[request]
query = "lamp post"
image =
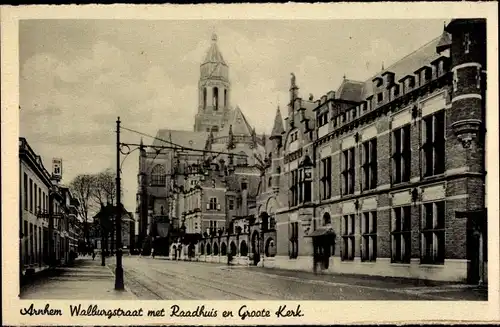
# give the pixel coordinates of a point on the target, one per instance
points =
(119, 269)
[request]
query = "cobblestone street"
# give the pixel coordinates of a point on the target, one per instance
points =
(154, 279)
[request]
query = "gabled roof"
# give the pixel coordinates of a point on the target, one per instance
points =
(213, 54)
(350, 90)
(238, 123)
(189, 139)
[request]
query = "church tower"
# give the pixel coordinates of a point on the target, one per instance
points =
(213, 89)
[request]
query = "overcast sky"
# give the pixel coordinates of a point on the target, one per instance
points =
(77, 76)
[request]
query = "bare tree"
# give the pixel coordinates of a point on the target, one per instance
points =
(104, 187)
(104, 193)
(82, 187)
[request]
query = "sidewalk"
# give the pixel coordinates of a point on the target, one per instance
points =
(85, 280)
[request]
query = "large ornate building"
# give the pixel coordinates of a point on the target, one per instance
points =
(387, 176)
(380, 177)
(186, 187)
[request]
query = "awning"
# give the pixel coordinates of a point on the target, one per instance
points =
(322, 231)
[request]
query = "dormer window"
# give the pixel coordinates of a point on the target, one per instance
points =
(380, 97)
(323, 119)
(378, 81)
(428, 74)
(395, 91)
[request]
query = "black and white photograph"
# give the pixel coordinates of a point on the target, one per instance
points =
(253, 160)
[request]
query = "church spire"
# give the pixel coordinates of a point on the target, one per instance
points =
(278, 128)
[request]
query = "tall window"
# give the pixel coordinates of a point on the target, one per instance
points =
(433, 234)
(401, 154)
(323, 119)
(307, 186)
(326, 178)
(401, 234)
(327, 219)
(348, 237)
(433, 143)
(293, 232)
(31, 195)
(369, 164)
(299, 184)
(25, 191)
(369, 236)
(348, 171)
(231, 204)
(215, 99)
(212, 204)
(295, 187)
(35, 200)
(40, 198)
(225, 97)
(204, 98)
(158, 176)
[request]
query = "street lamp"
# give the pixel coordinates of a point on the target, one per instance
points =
(119, 285)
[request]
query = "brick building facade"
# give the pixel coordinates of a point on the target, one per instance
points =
(387, 176)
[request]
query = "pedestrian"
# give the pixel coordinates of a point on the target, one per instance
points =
(93, 254)
(153, 253)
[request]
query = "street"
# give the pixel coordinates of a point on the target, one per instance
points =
(161, 279)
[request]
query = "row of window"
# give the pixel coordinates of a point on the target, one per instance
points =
(432, 233)
(394, 91)
(35, 199)
(433, 158)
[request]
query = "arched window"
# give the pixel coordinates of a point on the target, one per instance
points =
(215, 99)
(233, 249)
(209, 249)
(241, 159)
(158, 176)
(243, 249)
(326, 219)
(216, 249)
(204, 98)
(278, 170)
(270, 181)
(270, 248)
(223, 249)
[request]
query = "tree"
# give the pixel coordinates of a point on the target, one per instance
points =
(104, 187)
(82, 187)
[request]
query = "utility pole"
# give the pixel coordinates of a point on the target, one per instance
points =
(119, 285)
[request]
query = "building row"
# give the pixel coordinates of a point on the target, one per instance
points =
(49, 224)
(380, 177)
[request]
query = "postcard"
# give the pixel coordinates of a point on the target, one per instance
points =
(250, 164)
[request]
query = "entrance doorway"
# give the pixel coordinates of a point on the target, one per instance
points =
(476, 243)
(255, 248)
